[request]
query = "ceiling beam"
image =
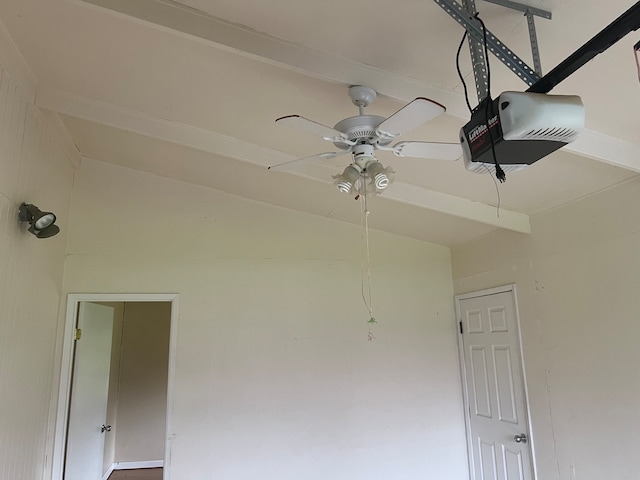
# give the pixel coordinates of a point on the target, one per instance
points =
(190, 23)
(196, 25)
(218, 144)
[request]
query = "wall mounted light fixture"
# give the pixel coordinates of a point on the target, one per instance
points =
(42, 223)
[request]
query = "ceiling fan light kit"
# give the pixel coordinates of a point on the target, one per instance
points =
(365, 167)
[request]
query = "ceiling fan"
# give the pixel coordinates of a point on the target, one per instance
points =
(363, 134)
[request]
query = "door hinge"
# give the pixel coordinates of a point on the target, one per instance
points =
(77, 334)
(461, 327)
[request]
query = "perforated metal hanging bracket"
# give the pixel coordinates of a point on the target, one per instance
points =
(478, 60)
(530, 13)
(522, 8)
(533, 38)
(494, 45)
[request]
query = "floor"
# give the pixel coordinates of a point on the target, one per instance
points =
(141, 474)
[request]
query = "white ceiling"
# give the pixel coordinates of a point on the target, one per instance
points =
(192, 93)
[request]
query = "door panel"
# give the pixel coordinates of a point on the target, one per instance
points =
(513, 465)
(494, 386)
(480, 381)
(505, 394)
(487, 459)
(89, 393)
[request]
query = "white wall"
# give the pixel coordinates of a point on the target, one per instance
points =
(137, 404)
(274, 375)
(34, 168)
(144, 370)
(578, 280)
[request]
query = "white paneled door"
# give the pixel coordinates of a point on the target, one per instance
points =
(89, 393)
(497, 422)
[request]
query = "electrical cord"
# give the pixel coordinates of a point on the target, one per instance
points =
(464, 84)
(497, 189)
(500, 175)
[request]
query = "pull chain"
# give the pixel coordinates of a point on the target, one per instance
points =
(366, 262)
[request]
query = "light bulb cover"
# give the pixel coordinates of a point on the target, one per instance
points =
(348, 179)
(380, 176)
(44, 220)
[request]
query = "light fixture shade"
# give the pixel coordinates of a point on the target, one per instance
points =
(349, 178)
(46, 232)
(380, 176)
(41, 223)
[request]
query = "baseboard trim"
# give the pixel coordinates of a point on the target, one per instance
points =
(132, 466)
(136, 465)
(108, 472)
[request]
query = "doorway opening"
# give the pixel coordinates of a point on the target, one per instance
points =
(115, 386)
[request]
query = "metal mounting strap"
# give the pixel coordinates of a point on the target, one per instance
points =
(533, 38)
(529, 12)
(522, 8)
(478, 60)
(494, 45)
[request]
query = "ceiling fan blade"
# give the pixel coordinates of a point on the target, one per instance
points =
(435, 150)
(412, 115)
(309, 126)
(302, 161)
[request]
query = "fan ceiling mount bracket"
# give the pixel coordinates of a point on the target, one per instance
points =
(362, 96)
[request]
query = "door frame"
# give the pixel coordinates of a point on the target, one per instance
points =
(511, 288)
(66, 370)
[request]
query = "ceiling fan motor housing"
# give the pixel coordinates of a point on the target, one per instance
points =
(359, 128)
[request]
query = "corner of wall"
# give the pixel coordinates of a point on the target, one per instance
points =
(12, 59)
(29, 146)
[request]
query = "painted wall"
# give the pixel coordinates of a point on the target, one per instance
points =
(137, 405)
(274, 376)
(34, 168)
(578, 279)
(144, 370)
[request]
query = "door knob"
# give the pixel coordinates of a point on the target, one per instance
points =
(522, 438)
(105, 428)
